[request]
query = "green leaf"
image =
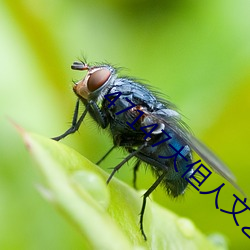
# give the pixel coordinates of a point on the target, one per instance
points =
(106, 215)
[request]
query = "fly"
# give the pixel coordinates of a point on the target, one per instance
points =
(148, 127)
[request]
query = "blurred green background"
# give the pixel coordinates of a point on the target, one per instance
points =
(195, 52)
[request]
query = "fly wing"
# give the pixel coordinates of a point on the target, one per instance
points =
(179, 128)
(211, 159)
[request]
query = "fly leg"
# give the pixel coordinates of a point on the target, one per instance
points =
(75, 124)
(135, 169)
(99, 116)
(105, 155)
(145, 196)
(91, 107)
(125, 160)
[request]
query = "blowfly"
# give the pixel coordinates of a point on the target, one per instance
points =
(148, 127)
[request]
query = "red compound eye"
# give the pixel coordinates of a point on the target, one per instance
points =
(97, 79)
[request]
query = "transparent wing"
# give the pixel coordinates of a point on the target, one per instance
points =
(179, 128)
